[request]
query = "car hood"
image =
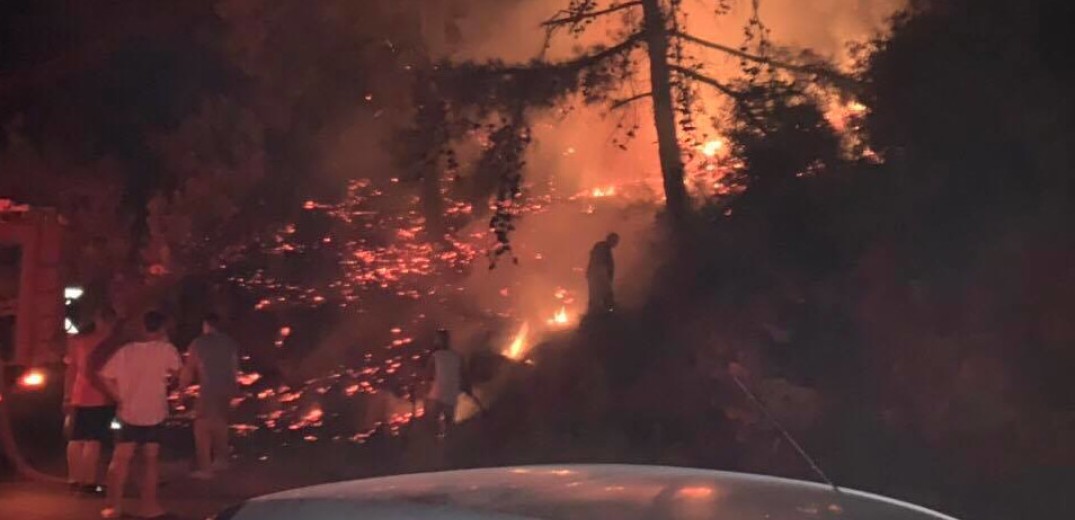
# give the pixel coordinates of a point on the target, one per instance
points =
(570, 492)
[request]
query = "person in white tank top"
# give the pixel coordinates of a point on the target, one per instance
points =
(445, 367)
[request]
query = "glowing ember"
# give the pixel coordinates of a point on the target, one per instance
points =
(243, 430)
(249, 378)
(518, 346)
(33, 379)
(312, 418)
(712, 148)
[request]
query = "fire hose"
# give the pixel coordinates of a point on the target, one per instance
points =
(784, 432)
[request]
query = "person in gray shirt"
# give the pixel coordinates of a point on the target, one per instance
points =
(212, 362)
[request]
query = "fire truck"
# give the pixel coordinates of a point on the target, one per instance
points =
(32, 317)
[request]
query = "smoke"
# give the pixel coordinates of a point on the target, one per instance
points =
(511, 30)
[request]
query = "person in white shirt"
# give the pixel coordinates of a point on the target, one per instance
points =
(137, 376)
(445, 367)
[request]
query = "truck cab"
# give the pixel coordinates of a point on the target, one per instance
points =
(31, 289)
(32, 336)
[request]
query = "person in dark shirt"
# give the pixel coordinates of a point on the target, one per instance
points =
(599, 275)
(213, 362)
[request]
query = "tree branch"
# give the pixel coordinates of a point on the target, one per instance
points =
(620, 103)
(697, 76)
(736, 96)
(583, 62)
(576, 18)
(819, 70)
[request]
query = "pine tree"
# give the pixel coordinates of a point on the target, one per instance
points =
(653, 36)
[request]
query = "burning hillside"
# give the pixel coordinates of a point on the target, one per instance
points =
(380, 243)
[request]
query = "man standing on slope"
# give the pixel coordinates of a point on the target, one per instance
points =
(599, 275)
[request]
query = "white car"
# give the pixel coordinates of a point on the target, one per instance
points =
(572, 492)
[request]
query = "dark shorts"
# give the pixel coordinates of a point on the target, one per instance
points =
(92, 423)
(139, 434)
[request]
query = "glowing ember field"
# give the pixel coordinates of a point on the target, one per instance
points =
(375, 251)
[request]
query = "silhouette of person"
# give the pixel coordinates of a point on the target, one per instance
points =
(599, 275)
(445, 368)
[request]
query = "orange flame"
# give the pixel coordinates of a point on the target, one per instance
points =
(560, 318)
(519, 345)
(713, 147)
(603, 192)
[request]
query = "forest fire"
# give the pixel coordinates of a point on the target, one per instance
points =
(787, 181)
(519, 345)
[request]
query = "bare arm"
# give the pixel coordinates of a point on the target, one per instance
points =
(189, 373)
(108, 375)
(69, 373)
(112, 387)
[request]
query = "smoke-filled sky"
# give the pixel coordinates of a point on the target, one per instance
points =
(511, 31)
(579, 146)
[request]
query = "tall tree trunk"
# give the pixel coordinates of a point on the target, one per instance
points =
(433, 199)
(431, 118)
(663, 111)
